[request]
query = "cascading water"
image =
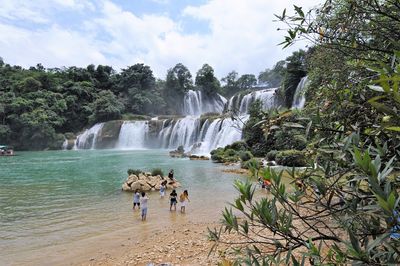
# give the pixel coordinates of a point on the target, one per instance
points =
(192, 132)
(196, 103)
(133, 135)
(242, 104)
(65, 145)
(87, 140)
(299, 98)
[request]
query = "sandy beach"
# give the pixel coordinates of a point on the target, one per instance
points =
(184, 244)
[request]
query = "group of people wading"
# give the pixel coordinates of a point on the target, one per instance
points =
(140, 199)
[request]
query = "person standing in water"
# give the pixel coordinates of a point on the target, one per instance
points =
(163, 187)
(143, 203)
(172, 197)
(184, 199)
(171, 175)
(136, 200)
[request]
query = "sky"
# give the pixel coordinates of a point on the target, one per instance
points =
(238, 35)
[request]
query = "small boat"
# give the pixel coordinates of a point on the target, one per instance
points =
(6, 150)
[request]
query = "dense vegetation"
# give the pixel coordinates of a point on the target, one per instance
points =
(344, 209)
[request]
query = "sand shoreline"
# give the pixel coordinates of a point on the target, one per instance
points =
(182, 244)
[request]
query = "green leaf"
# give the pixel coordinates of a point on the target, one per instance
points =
(299, 11)
(393, 128)
(354, 242)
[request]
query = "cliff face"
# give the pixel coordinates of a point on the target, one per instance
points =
(108, 136)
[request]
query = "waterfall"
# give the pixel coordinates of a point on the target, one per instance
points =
(242, 104)
(299, 98)
(87, 140)
(133, 135)
(192, 103)
(220, 133)
(194, 133)
(182, 132)
(65, 145)
(195, 103)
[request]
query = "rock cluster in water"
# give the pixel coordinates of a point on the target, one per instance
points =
(147, 182)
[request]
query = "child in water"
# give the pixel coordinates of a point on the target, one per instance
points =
(172, 197)
(136, 200)
(184, 199)
(162, 189)
(143, 203)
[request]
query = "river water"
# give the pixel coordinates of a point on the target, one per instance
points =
(53, 199)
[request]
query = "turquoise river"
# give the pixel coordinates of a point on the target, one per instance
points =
(57, 203)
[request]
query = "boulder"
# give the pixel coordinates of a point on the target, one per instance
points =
(147, 183)
(136, 186)
(145, 187)
(126, 187)
(131, 179)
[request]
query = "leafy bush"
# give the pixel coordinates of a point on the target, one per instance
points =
(245, 155)
(271, 155)
(157, 171)
(230, 152)
(217, 150)
(218, 157)
(251, 164)
(238, 146)
(134, 171)
(292, 158)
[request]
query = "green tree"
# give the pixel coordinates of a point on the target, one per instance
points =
(106, 107)
(246, 81)
(230, 86)
(273, 77)
(135, 85)
(206, 81)
(177, 83)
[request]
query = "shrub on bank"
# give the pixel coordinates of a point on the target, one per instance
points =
(157, 171)
(238, 146)
(245, 156)
(253, 163)
(293, 158)
(134, 171)
(271, 155)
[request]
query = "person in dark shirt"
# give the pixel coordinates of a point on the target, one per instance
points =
(173, 200)
(171, 175)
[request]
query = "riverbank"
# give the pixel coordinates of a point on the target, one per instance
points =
(181, 244)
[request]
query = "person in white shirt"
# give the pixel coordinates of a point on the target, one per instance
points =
(143, 205)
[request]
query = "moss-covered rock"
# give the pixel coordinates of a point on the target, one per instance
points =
(292, 158)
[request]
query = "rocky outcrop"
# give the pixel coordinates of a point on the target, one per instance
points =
(197, 157)
(108, 136)
(147, 182)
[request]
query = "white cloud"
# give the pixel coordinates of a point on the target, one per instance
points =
(53, 47)
(39, 11)
(241, 37)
